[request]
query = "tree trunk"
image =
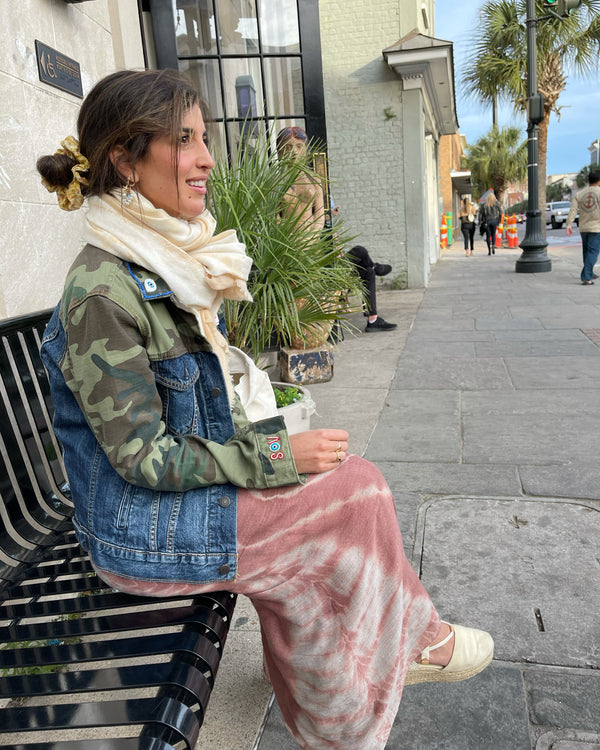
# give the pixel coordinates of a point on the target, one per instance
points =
(542, 155)
(551, 84)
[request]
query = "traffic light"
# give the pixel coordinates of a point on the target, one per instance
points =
(562, 7)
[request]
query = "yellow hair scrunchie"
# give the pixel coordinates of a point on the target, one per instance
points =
(70, 197)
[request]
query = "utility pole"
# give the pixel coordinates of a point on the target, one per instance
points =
(534, 258)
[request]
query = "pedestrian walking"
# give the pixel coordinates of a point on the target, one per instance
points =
(587, 203)
(491, 214)
(468, 216)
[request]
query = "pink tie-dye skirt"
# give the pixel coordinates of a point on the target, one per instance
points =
(342, 612)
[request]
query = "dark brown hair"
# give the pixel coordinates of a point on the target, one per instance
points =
(127, 109)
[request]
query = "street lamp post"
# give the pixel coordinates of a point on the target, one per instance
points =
(534, 258)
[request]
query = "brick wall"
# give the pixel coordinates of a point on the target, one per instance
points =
(364, 100)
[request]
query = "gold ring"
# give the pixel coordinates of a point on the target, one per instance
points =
(339, 456)
(339, 446)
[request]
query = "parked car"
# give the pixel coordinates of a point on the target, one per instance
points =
(557, 212)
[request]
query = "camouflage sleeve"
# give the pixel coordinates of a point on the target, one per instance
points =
(108, 370)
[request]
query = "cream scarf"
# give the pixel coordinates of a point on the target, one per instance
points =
(201, 269)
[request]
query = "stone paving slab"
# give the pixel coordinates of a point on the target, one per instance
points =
(564, 700)
(522, 569)
(435, 323)
(432, 372)
(423, 416)
(507, 324)
(568, 739)
(456, 349)
(553, 371)
(450, 478)
(447, 336)
(542, 335)
(554, 345)
(529, 427)
(485, 712)
(553, 319)
(576, 481)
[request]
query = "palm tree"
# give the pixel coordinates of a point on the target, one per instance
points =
(498, 62)
(497, 159)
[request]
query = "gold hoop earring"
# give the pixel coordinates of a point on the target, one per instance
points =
(127, 191)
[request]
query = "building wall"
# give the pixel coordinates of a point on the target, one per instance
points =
(39, 241)
(364, 107)
(452, 149)
(365, 119)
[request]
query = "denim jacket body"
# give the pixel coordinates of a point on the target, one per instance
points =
(161, 535)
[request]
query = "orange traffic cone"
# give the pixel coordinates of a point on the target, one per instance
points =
(499, 230)
(444, 233)
(514, 238)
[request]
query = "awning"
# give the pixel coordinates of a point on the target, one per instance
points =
(418, 56)
(461, 181)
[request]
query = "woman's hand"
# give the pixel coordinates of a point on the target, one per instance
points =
(317, 451)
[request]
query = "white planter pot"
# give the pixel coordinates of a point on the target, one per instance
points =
(297, 415)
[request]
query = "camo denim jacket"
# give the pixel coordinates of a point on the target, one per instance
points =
(153, 450)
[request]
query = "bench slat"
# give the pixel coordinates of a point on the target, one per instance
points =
(53, 606)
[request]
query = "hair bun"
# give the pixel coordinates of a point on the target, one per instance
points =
(64, 171)
(56, 169)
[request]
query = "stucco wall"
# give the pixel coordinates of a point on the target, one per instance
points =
(364, 101)
(38, 240)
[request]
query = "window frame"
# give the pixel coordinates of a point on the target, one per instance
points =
(313, 117)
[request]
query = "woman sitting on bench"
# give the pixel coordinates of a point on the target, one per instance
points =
(175, 490)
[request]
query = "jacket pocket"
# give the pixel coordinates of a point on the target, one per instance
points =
(175, 380)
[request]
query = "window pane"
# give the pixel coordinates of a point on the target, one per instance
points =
(195, 27)
(276, 126)
(279, 26)
(216, 140)
(245, 137)
(283, 80)
(237, 26)
(204, 74)
(243, 88)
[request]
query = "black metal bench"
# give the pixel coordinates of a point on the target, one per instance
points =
(82, 666)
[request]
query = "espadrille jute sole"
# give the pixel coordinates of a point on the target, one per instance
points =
(473, 651)
(431, 673)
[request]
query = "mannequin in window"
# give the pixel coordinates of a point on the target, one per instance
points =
(305, 197)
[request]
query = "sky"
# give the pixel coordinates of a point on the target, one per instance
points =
(568, 138)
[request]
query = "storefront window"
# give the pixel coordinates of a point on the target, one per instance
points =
(195, 27)
(246, 57)
(206, 75)
(238, 27)
(279, 26)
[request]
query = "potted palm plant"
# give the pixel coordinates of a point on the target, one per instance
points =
(300, 284)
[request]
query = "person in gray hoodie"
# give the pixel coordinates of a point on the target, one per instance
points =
(587, 203)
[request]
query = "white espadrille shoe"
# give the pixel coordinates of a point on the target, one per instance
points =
(473, 651)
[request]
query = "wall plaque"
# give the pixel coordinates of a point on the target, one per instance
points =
(58, 70)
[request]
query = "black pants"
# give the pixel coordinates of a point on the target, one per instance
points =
(490, 234)
(468, 233)
(365, 269)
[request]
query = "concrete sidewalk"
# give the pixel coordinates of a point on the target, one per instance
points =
(480, 411)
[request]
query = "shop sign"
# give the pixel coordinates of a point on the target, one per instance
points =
(58, 70)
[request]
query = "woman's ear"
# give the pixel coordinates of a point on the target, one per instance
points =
(120, 160)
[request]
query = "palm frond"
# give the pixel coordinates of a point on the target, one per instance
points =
(296, 278)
